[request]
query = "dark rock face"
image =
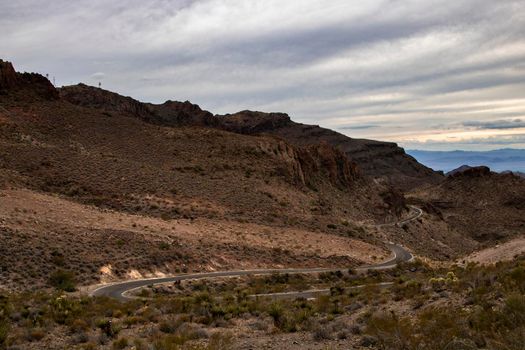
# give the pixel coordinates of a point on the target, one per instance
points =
(395, 201)
(249, 122)
(310, 166)
(330, 162)
(36, 84)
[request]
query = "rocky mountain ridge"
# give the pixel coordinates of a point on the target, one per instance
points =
(383, 161)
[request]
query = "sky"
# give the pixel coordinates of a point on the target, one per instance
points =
(432, 75)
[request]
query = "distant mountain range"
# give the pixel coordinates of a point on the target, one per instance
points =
(497, 160)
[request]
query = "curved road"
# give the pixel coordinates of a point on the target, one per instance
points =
(119, 290)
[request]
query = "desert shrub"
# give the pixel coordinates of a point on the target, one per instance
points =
(285, 318)
(220, 341)
(35, 334)
(121, 343)
(391, 331)
(517, 279)
(407, 290)
(175, 341)
(107, 327)
(435, 328)
(321, 332)
(63, 280)
(4, 330)
(63, 310)
(513, 312)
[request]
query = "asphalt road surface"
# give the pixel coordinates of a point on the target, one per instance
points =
(120, 290)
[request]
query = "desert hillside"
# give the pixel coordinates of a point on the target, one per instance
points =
(379, 160)
(146, 183)
(486, 206)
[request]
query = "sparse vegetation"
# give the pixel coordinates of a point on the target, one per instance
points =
(409, 314)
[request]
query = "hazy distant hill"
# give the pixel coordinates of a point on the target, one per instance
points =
(498, 160)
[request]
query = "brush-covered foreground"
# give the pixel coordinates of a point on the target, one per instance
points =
(458, 307)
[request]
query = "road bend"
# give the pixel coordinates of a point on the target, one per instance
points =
(120, 290)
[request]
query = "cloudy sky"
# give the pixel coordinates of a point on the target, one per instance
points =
(426, 74)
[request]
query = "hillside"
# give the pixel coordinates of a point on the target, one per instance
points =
(106, 194)
(485, 206)
(378, 160)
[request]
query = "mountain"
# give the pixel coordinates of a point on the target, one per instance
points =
(498, 160)
(379, 160)
(106, 186)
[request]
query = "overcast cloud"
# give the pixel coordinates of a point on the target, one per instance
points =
(426, 74)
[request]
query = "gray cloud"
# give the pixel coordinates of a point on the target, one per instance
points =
(497, 124)
(401, 66)
(358, 127)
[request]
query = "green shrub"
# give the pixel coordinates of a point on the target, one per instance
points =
(121, 343)
(63, 280)
(4, 330)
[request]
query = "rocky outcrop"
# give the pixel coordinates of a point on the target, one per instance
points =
(309, 166)
(395, 201)
(33, 84)
(182, 113)
(249, 122)
(331, 163)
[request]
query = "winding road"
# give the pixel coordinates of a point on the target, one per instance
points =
(120, 290)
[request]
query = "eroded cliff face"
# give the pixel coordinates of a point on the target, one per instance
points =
(308, 166)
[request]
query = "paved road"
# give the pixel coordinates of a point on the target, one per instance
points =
(120, 290)
(417, 213)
